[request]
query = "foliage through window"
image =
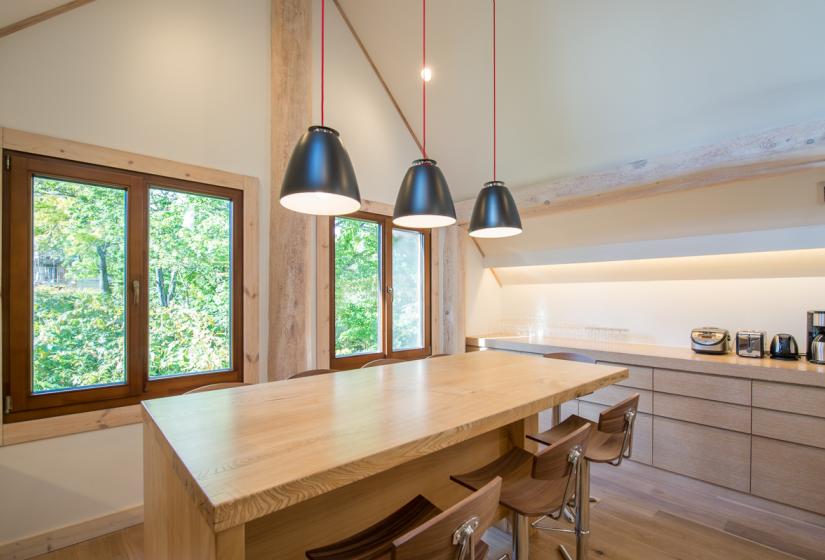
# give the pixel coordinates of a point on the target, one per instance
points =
(380, 290)
(119, 286)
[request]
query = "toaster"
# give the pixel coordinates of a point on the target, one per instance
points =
(751, 344)
(710, 340)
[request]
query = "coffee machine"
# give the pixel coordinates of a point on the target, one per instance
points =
(816, 337)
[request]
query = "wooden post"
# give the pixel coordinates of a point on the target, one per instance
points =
(451, 306)
(291, 267)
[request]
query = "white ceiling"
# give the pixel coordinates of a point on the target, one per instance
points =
(589, 84)
(12, 11)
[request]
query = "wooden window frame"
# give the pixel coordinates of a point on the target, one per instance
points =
(387, 227)
(17, 289)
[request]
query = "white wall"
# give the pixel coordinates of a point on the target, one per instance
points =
(62, 481)
(663, 312)
(482, 293)
(659, 300)
(186, 80)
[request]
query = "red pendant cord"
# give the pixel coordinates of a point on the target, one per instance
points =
(423, 81)
(494, 90)
(323, 17)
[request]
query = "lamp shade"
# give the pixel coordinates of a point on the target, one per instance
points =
(424, 199)
(319, 178)
(495, 213)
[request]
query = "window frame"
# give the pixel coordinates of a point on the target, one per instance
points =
(18, 291)
(386, 227)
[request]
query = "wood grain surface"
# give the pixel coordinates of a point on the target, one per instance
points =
(246, 452)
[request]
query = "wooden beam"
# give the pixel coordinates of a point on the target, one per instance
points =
(378, 74)
(291, 264)
(42, 16)
(773, 152)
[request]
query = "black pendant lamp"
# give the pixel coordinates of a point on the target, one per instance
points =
(319, 177)
(495, 213)
(424, 199)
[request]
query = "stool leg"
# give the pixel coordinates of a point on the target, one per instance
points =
(556, 415)
(583, 513)
(521, 537)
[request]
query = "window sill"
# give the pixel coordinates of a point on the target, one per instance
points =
(45, 428)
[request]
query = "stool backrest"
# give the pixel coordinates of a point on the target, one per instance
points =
(553, 462)
(619, 417)
(383, 362)
(311, 372)
(215, 387)
(458, 528)
(571, 357)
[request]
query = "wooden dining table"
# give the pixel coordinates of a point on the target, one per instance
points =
(273, 469)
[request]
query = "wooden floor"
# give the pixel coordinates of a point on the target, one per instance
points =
(645, 513)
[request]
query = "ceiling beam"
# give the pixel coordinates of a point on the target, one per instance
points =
(42, 16)
(773, 152)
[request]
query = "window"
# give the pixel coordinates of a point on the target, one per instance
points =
(120, 286)
(380, 296)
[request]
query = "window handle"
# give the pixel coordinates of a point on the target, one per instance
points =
(136, 291)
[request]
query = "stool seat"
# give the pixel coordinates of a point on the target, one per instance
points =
(603, 447)
(520, 492)
(376, 542)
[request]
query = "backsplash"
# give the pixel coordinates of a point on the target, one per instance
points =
(652, 312)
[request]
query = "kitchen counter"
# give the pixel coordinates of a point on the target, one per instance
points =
(278, 468)
(800, 372)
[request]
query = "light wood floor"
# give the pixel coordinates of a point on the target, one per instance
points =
(645, 513)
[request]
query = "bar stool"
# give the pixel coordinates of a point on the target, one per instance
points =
(540, 485)
(311, 373)
(610, 442)
(383, 362)
(215, 387)
(421, 531)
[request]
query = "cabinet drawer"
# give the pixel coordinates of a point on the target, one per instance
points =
(710, 454)
(807, 430)
(710, 413)
(790, 398)
(615, 394)
(546, 416)
(789, 473)
(712, 387)
(640, 377)
(642, 431)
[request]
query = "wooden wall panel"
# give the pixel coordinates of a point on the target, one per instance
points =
(452, 241)
(291, 266)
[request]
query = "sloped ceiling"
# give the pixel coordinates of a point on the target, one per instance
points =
(589, 84)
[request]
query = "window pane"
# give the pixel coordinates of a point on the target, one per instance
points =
(190, 283)
(78, 276)
(357, 287)
(407, 290)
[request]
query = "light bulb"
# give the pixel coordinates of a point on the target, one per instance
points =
(426, 74)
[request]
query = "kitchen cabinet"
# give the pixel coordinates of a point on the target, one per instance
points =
(640, 377)
(789, 398)
(711, 387)
(700, 411)
(789, 473)
(806, 430)
(710, 454)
